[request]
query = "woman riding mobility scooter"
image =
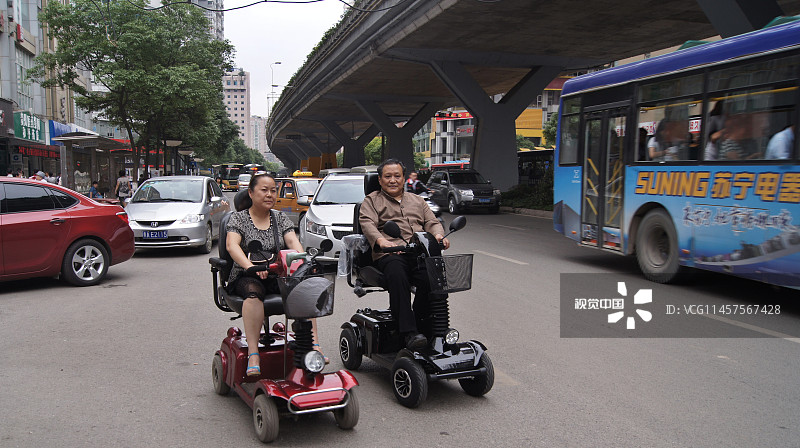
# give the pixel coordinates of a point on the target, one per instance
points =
(291, 380)
(374, 333)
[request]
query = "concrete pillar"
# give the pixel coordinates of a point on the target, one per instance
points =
(401, 143)
(734, 17)
(353, 148)
(495, 151)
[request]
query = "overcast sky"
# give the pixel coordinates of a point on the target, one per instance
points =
(270, 32)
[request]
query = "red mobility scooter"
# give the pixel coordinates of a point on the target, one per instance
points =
(291, 380)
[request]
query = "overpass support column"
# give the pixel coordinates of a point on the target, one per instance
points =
(401, 142)
(495, 151)
(734, 17)
(353, 148)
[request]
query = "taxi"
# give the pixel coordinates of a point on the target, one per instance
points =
(290, 189)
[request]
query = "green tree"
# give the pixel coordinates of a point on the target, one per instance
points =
(523, 142)
(160, 69)
(549, 131)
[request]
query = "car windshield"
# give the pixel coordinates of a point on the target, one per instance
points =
(306, 187)
(467, 178)
(170, 191)
(340, 191)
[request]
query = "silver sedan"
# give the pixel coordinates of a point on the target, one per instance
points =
(177, 211)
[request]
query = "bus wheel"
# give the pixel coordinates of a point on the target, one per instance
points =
(657, 247)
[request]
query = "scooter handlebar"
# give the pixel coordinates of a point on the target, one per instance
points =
(256, 268)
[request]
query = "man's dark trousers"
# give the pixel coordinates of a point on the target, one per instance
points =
(401, 273)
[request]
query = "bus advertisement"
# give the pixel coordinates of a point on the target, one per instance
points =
(688, 159)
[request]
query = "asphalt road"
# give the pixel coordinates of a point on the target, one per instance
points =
(128, 362)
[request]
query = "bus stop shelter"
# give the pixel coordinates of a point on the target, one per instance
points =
(88, 157)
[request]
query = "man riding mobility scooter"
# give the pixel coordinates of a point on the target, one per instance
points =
(291, 382)
(374, 333)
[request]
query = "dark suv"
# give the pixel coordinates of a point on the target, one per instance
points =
(463, 190)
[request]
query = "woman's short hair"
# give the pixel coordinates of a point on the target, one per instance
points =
(254, 180)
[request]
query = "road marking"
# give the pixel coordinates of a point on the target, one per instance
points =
(505, 379)
(501, 257)
(509, 227)
(776, 334)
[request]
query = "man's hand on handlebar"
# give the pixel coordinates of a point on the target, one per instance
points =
(388, 246)
(443, 241)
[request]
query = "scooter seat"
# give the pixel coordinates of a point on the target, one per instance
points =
(273, 304)
(371, 276)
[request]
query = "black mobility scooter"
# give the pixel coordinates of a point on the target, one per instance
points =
(291, 380)
(374, 333)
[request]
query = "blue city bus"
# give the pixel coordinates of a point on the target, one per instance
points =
(688, 159)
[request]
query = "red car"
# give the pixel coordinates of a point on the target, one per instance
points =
(47, 230)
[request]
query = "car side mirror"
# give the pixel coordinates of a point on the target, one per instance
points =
(305, 200)
(443, 182)
(216, 199)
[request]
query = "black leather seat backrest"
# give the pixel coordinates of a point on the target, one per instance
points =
(241, 201)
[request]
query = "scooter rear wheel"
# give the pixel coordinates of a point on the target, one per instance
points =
(409, 383)
(479, 385)
(347, 417)
(265, 418)
(218, 376)
(348, 349)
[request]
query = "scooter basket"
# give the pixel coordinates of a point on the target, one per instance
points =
(449, 273)
(308, 296)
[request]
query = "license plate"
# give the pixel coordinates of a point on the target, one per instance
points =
(154, 234)
(484, 201)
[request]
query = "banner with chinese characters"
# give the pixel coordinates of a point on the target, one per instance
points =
(28, 127)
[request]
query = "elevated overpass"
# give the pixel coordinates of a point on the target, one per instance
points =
(410, 58)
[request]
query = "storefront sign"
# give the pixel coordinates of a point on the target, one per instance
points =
(38, 152)
(28, 127)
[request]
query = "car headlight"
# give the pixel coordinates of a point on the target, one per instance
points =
(465, 192)
(314, 361)
(452, 336)
(496, 192)
(192, 219)
(315, 228)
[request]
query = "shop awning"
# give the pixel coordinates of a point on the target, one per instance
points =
(87, 140)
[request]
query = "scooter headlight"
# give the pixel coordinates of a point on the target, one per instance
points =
(452, 336)
(314, 361)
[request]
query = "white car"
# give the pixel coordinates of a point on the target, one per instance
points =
(244, 181)
(330, 214)
(176, 211)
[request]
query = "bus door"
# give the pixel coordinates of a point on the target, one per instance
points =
(603, 182)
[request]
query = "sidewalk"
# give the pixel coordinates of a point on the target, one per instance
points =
(528, 212)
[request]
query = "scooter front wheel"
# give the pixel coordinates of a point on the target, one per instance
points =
(479, 385)
(347, 417)
(265, 418)
(409, 382)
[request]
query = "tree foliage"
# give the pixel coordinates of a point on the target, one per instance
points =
(549, 131)
(160, 71)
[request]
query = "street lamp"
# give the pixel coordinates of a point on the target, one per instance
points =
(272, 82)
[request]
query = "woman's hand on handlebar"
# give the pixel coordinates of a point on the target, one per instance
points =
(444, 242)
(258, 270)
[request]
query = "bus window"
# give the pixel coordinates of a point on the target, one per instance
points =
(569, 140)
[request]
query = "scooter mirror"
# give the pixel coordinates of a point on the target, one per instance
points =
(392, 229)
(458, 223)
(326, 245)
(254, 246)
